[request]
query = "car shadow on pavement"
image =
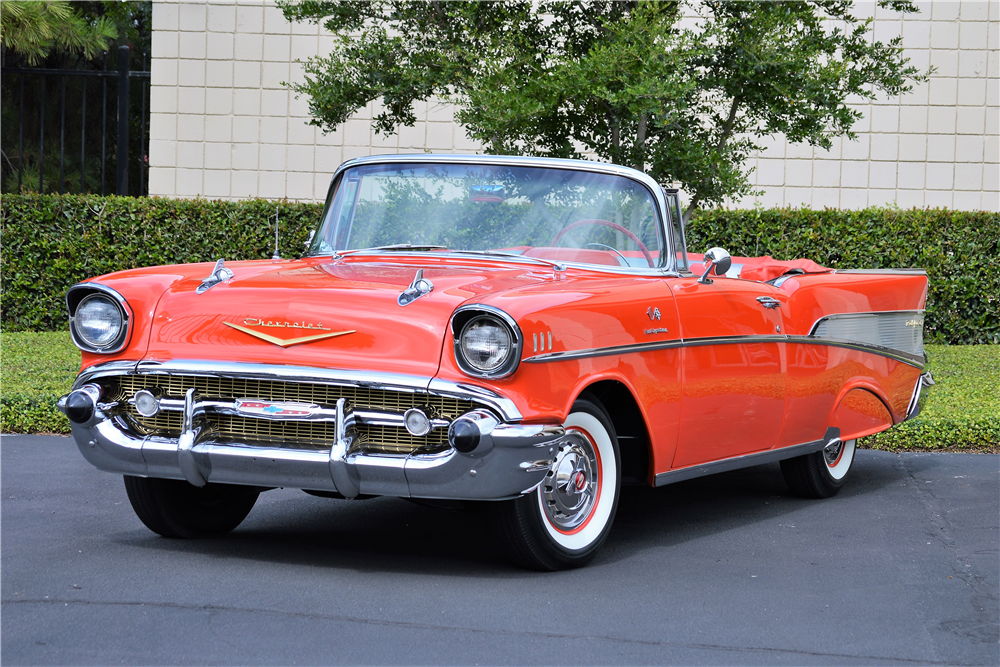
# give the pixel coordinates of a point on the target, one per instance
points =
(395, 535)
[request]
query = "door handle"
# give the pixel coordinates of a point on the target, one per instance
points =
(768, 302)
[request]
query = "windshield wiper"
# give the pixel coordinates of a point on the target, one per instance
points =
(391, 248)
(558, 266)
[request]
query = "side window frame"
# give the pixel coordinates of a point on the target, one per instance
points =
(675, 219)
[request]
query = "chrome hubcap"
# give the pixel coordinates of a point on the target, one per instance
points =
(570, 488)
(832, 452)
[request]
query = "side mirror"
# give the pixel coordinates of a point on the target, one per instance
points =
(717, 261)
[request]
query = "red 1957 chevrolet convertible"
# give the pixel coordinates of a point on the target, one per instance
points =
(529, 332)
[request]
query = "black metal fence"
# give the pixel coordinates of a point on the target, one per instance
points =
(38, 86)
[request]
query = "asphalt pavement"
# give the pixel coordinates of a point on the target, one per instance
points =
(901, 568)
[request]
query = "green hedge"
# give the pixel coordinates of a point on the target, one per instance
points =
(51, 242)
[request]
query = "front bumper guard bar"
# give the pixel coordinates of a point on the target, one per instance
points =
(509, 461)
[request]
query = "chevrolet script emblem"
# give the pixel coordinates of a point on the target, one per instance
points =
(285, 342)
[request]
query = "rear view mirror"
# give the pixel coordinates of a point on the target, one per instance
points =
(492, 194)
(716, 261)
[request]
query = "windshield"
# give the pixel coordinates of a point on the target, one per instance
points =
(549, 214)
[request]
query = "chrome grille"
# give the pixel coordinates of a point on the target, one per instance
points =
(297, 434)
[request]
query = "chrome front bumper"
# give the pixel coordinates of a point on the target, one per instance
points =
(510, 461)
(502, 460)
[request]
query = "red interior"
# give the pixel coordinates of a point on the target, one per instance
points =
(762, 268)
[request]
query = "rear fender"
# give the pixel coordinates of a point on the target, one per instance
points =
(860, 412)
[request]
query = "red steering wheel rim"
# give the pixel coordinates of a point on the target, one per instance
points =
(613, 225)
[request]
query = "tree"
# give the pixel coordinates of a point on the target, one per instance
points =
(34, 29)
(685, 91)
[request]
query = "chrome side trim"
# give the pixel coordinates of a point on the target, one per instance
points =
(898, 355)
(748, 460)
(603, 351)
(916, 360)
(374, 380)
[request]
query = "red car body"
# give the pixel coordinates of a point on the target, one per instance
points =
(774, 361)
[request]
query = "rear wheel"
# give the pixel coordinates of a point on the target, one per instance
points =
(562, 523)
(820, 474)
(175, 508)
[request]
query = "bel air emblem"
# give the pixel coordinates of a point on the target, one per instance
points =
(272, 409)
(285, 342)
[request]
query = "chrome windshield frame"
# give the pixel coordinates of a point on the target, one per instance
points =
(669, 268)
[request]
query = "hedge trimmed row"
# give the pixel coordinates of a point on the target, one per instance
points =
(52, 241)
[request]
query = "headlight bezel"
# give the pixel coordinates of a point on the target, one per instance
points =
(466, 316)
(80, 293)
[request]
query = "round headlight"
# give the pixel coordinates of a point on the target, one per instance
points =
(98, 321)
(486, 344)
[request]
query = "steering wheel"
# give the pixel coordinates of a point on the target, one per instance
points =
(613, 225)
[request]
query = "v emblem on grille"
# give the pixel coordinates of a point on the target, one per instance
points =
(288, 342)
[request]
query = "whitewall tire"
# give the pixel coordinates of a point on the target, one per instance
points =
(820, 474)
(565, 520)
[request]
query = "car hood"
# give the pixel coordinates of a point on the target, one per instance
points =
(324, 313)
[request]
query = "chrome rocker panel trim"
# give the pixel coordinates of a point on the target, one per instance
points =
(301, 374)
(503, 466)
(748, 460)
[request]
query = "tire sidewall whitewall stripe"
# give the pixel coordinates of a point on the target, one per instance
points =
(591, 532)
(839, 470)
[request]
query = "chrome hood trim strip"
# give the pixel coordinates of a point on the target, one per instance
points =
(302, 374)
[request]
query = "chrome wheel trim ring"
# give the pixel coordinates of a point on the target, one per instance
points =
(569, 491)
(842, 463)
(594, 526)
(831, 453)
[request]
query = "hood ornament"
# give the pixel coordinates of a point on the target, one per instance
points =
(418, 288)
(219, 274)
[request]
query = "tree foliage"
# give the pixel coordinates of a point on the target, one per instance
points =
(33, 29)
(686, 91)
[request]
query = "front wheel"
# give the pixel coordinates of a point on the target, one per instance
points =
(822, 473)
(561, 524)
(174, 508)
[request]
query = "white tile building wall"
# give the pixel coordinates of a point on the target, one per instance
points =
(223, 126)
